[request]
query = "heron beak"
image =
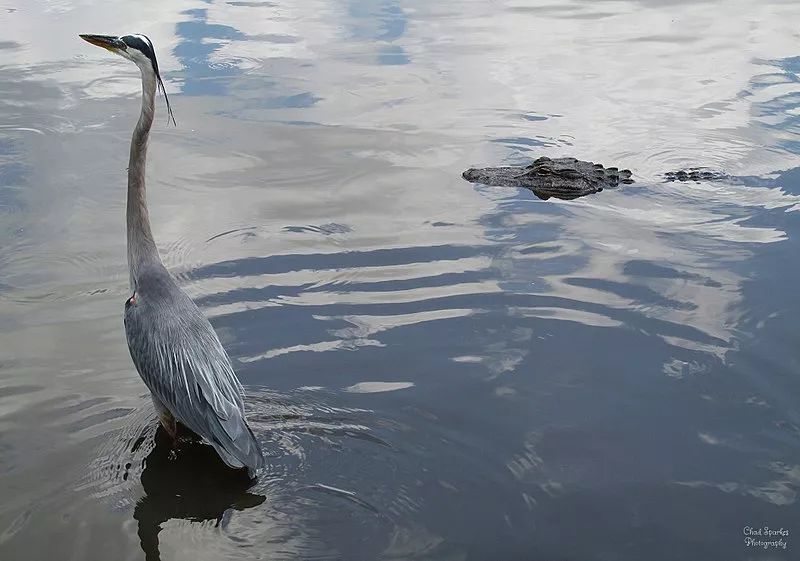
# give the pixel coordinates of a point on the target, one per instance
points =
(113, 44)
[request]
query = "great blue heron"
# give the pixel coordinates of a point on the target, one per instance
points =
(172, 344)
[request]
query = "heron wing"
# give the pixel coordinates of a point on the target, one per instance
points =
(183, 363)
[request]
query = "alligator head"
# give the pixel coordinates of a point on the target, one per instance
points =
(563, 178)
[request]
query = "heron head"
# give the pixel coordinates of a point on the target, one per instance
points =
(136, 48)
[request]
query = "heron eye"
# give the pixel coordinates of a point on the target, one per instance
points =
(130, 301)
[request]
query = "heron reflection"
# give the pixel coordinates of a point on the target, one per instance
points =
(192, 484)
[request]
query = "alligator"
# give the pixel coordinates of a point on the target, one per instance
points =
(570, 178)
(563, 178)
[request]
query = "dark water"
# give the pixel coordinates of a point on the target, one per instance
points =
(437, 370)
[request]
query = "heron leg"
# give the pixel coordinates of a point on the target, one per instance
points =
(167, 420)
(170, 425)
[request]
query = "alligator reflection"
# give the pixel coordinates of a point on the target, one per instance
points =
(563, 178)
(194, 485)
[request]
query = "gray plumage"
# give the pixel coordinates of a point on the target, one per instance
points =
(182, 361)
(172, 344)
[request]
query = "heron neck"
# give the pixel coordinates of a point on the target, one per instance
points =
(141, 246)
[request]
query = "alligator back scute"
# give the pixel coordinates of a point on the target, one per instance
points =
(696, 175)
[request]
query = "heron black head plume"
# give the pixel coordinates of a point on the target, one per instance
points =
(143, 44)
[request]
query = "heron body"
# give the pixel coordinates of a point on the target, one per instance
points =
(172, 344)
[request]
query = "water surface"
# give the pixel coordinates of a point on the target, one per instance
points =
(436, 370)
